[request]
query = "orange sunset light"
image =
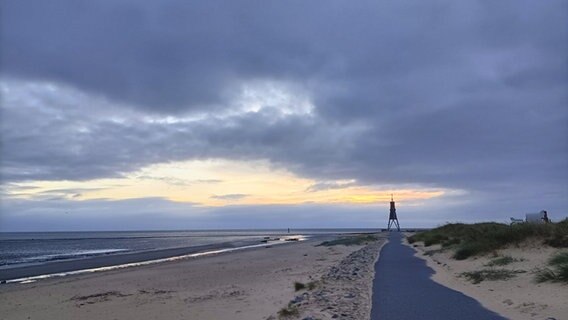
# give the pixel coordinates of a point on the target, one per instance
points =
(222, 183)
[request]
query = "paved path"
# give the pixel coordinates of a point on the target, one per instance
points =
(402, 289)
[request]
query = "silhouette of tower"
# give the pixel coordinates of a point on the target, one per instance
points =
(393, 220)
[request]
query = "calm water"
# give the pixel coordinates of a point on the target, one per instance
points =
(31, 248)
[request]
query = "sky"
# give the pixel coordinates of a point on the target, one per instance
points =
(173, 114)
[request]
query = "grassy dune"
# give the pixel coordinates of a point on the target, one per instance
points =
(476, 239)
(467, 240)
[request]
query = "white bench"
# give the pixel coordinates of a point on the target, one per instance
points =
(516, 221)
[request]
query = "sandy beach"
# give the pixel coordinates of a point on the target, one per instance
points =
(517, 298)
(252, 284)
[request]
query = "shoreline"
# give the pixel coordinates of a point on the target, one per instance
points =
(248, 284)
(131, 259)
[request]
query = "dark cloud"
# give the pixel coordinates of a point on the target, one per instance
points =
(468, 96)
(325, 185)
(71, 190)
(166, 57)
(178, 55)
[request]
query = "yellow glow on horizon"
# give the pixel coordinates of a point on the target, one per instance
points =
(220, 183)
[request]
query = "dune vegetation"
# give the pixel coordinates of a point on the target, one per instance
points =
(469, 240)
(353, 240)
(557, 271)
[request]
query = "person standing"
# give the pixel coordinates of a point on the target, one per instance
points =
(545, 216)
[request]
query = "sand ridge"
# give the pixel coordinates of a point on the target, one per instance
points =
(344, 291)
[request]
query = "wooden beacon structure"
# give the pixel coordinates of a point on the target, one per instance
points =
(393, 220)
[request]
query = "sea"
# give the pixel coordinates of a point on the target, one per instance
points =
(23, 249)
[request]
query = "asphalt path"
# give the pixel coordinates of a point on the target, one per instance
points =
(402, 289)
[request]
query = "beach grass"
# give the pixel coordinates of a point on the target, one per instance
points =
(312, 285)
(490, 274)
(559, 259)
(288, 312)
(558, 271)
(501, 261)
(475, 239)
(301, 286)
(362, 239)
(432, 252)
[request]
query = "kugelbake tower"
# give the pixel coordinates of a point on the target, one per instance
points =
(393, 220)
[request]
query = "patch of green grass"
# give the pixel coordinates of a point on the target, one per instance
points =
(450, 242)
(467, 250)
(289, 311)
(312, 285)
(559, 271)
(481, 238)
(557, 241)
(301, 286)
(559, 238)
(501, 261)
(432, 252)
(490, 275)
(544, 275)
(429, 238)
(350, 240)
(562, 273)
(435, 238)
(559, 259)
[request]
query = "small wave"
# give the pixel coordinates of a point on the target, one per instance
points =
(62, 256)
(221, 235)
(150, 262)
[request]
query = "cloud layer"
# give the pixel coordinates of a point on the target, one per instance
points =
(469, 96)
